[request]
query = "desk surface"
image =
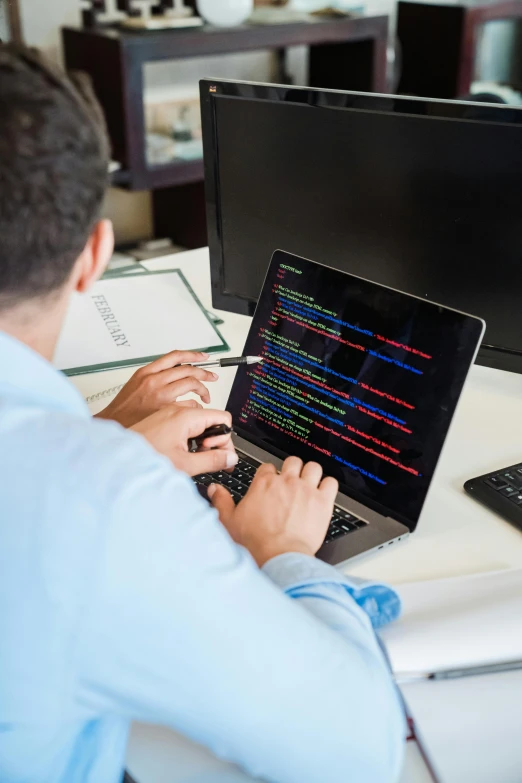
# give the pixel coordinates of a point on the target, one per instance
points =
(455, 534)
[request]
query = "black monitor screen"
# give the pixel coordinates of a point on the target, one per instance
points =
(360, 378)
(431, 205)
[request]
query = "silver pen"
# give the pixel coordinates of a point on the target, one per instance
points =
(233, 361)
(462, 671)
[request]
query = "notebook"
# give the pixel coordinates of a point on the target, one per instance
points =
(469, 728)
(462, 621)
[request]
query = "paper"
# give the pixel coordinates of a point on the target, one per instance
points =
(132, 320)
(164, 264)
(470, 728)
(464, 621)
(415, 769)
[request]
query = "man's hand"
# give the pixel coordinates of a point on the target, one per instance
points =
(170, 429)
(286, 512)
(158, 384)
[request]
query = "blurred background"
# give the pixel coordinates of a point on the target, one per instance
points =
(146, 56)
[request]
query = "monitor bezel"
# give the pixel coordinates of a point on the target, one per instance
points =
(495, 356)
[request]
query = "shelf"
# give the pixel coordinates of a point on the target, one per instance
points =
(162, 176)
(175, 173)
(345, 54)
(120, 178)
(202, 41)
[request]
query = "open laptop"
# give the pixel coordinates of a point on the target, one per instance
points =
(358, 377)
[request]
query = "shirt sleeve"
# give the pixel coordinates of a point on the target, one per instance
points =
(277, 670)
(313, 582)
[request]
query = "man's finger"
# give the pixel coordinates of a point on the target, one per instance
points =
(197, 421)
(175, 374)
(329, 487)
(222, 501)
(211, 461)
(292, 466)
(218, 442)
(189, 404)
(266, 469)
(187, 385)
(223, 442)
(174, 358)
(312, 473)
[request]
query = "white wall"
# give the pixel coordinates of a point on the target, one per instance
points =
(496, 43)
(41, 22)
(42, 19)
(130, 213)
(4, 24)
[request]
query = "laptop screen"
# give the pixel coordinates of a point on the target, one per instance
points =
(356, 376)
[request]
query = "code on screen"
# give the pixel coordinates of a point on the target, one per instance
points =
(356, 376)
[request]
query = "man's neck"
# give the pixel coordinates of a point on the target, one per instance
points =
(37, 323)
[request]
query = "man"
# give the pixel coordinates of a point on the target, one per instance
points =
(123, 595)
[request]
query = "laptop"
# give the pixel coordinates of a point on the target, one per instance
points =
(361, 378)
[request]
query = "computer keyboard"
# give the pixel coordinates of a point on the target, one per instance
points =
(501, 491)
(238, 483)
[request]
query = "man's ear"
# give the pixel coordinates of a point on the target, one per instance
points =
(93, 261)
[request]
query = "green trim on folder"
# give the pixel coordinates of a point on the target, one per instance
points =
(223, 347)
(136, 362)
(128, 271)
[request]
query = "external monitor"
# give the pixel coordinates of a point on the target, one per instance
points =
(424, 196)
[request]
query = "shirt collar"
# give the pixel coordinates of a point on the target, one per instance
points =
(27, 377)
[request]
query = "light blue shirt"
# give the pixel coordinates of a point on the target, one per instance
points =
(123, 598)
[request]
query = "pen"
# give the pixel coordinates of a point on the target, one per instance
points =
(455, 674)
(234, 361)
(211, 432)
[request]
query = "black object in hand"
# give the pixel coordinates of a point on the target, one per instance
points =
(212, 432)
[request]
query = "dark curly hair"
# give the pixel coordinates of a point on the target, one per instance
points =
(54, 157)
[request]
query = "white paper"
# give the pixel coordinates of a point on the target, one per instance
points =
(130, 318)
(415, 769)
(464, 621)
(470, 728)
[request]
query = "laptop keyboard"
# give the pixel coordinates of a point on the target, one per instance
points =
(238, 483)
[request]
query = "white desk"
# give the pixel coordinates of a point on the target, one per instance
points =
(455, 535)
